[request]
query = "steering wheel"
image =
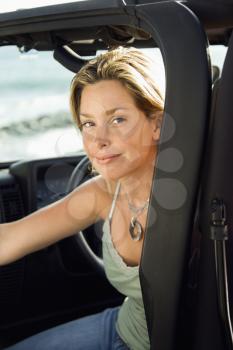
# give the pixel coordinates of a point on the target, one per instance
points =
(81, 173)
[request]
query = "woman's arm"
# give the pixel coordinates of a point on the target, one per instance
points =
(81, 208)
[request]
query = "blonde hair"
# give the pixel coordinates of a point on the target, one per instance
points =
(132, 68)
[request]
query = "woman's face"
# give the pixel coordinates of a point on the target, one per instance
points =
(118, 137)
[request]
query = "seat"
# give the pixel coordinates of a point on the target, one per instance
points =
(213, 328)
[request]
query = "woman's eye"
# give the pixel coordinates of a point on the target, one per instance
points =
(118, 120)
(87, 125)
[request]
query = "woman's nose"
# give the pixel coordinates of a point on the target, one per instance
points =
(102, 138)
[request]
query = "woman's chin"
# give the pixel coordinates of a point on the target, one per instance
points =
(109, 174)
(114, 171)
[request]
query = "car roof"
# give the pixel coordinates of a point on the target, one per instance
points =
(77, 24)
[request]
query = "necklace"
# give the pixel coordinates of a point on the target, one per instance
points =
(135, 228)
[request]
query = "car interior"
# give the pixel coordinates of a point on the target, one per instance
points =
(186, 269)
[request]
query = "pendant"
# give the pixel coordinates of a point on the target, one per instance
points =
(135, 229)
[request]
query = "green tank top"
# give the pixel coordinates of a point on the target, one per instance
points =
(131, 322)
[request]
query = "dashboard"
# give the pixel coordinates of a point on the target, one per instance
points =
(51, 182)
(35, 184)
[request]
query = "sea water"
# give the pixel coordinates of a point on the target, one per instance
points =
(35, 119)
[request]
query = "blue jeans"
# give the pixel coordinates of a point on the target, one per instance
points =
(95, 332)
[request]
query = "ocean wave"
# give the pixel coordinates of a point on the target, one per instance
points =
(56, 142)
(29, 127)
(18, 107)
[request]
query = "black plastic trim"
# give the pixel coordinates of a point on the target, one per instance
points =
(217, 183)
(26, 174)
(49, 18)
(184, 47)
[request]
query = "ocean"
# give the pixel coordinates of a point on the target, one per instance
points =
(35, 119)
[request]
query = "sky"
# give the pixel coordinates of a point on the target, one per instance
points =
(12, 5)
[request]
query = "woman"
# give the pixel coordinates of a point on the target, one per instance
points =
(118, 108)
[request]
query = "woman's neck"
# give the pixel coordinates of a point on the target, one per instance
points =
(137, 186)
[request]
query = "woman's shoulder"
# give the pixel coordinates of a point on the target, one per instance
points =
(99, 184)
(104, 192)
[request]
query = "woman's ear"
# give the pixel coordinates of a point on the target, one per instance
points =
(157, 126)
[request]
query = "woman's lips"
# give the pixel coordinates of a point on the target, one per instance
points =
(107, 159)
